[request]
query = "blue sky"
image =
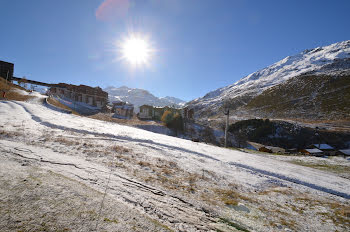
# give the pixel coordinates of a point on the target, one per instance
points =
(201, 45)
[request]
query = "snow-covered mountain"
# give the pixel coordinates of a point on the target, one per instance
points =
(140, 97)
(173, 100)
(243, 91)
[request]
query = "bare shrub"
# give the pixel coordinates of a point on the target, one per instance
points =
(58, 104)
(230, 196)
(120, 149)
(9, 134)
(65, 141)
(144, 164)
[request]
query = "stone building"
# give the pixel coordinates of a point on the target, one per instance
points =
(122, 110)
(149, 112)
(188, 113)
(81, 93)
(156, 113)
(146, 112)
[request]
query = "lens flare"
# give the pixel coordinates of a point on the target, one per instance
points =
(136, 50)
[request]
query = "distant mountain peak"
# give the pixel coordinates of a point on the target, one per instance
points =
(140, 97)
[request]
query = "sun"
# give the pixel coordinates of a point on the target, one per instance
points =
(136, 50)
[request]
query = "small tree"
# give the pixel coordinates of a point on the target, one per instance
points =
(167, 117)
(177, 123)
(207, 135)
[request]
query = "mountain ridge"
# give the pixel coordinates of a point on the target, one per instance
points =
(140, 97)
(328, 59)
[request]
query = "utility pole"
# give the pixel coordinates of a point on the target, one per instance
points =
(318, 137)
(227, 113)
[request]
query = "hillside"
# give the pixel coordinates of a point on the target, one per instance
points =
(140, 97)
(313, 97)
(77, 173)
(328, 60)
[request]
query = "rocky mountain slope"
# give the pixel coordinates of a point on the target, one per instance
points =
(308, 96)
(140, 97)
(324, 64)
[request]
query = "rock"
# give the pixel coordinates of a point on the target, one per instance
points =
(241, 207)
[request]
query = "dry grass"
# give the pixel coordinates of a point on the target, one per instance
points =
(67, 142)
(230, 196)
(335, 168)
(133, 121)
(9, 134)
(60, 105)
(302, 205)
(11, 94)
(337, 212)
(120, 149)
(8, 85)
(116, 164)
(282, 191)
(144, 164)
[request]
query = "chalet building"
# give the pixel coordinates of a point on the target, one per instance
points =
(344, 152)
(158, 112)
(122, 110)
(312, 151)
(325, 148)
(92, 96)
(263, 148)
(291, 150)
(148, 112)
(6, 70)
(188, 113)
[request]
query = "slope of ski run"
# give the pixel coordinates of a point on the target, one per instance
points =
(291, 66)
(249, 169)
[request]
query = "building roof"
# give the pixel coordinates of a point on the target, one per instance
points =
(5, 62)
(254, 146)
(118, 101)
(276, 149)
(82, 89)
(313, 151)
(345, 151)
(257, 146)
(124, 107)
(323, 146)
(145, 105)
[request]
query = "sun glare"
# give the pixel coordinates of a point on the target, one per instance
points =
(137, 51)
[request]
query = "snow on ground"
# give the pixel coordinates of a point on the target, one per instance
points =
(183, 185)
(60, 203)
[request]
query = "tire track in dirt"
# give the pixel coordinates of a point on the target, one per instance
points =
(167, 208)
